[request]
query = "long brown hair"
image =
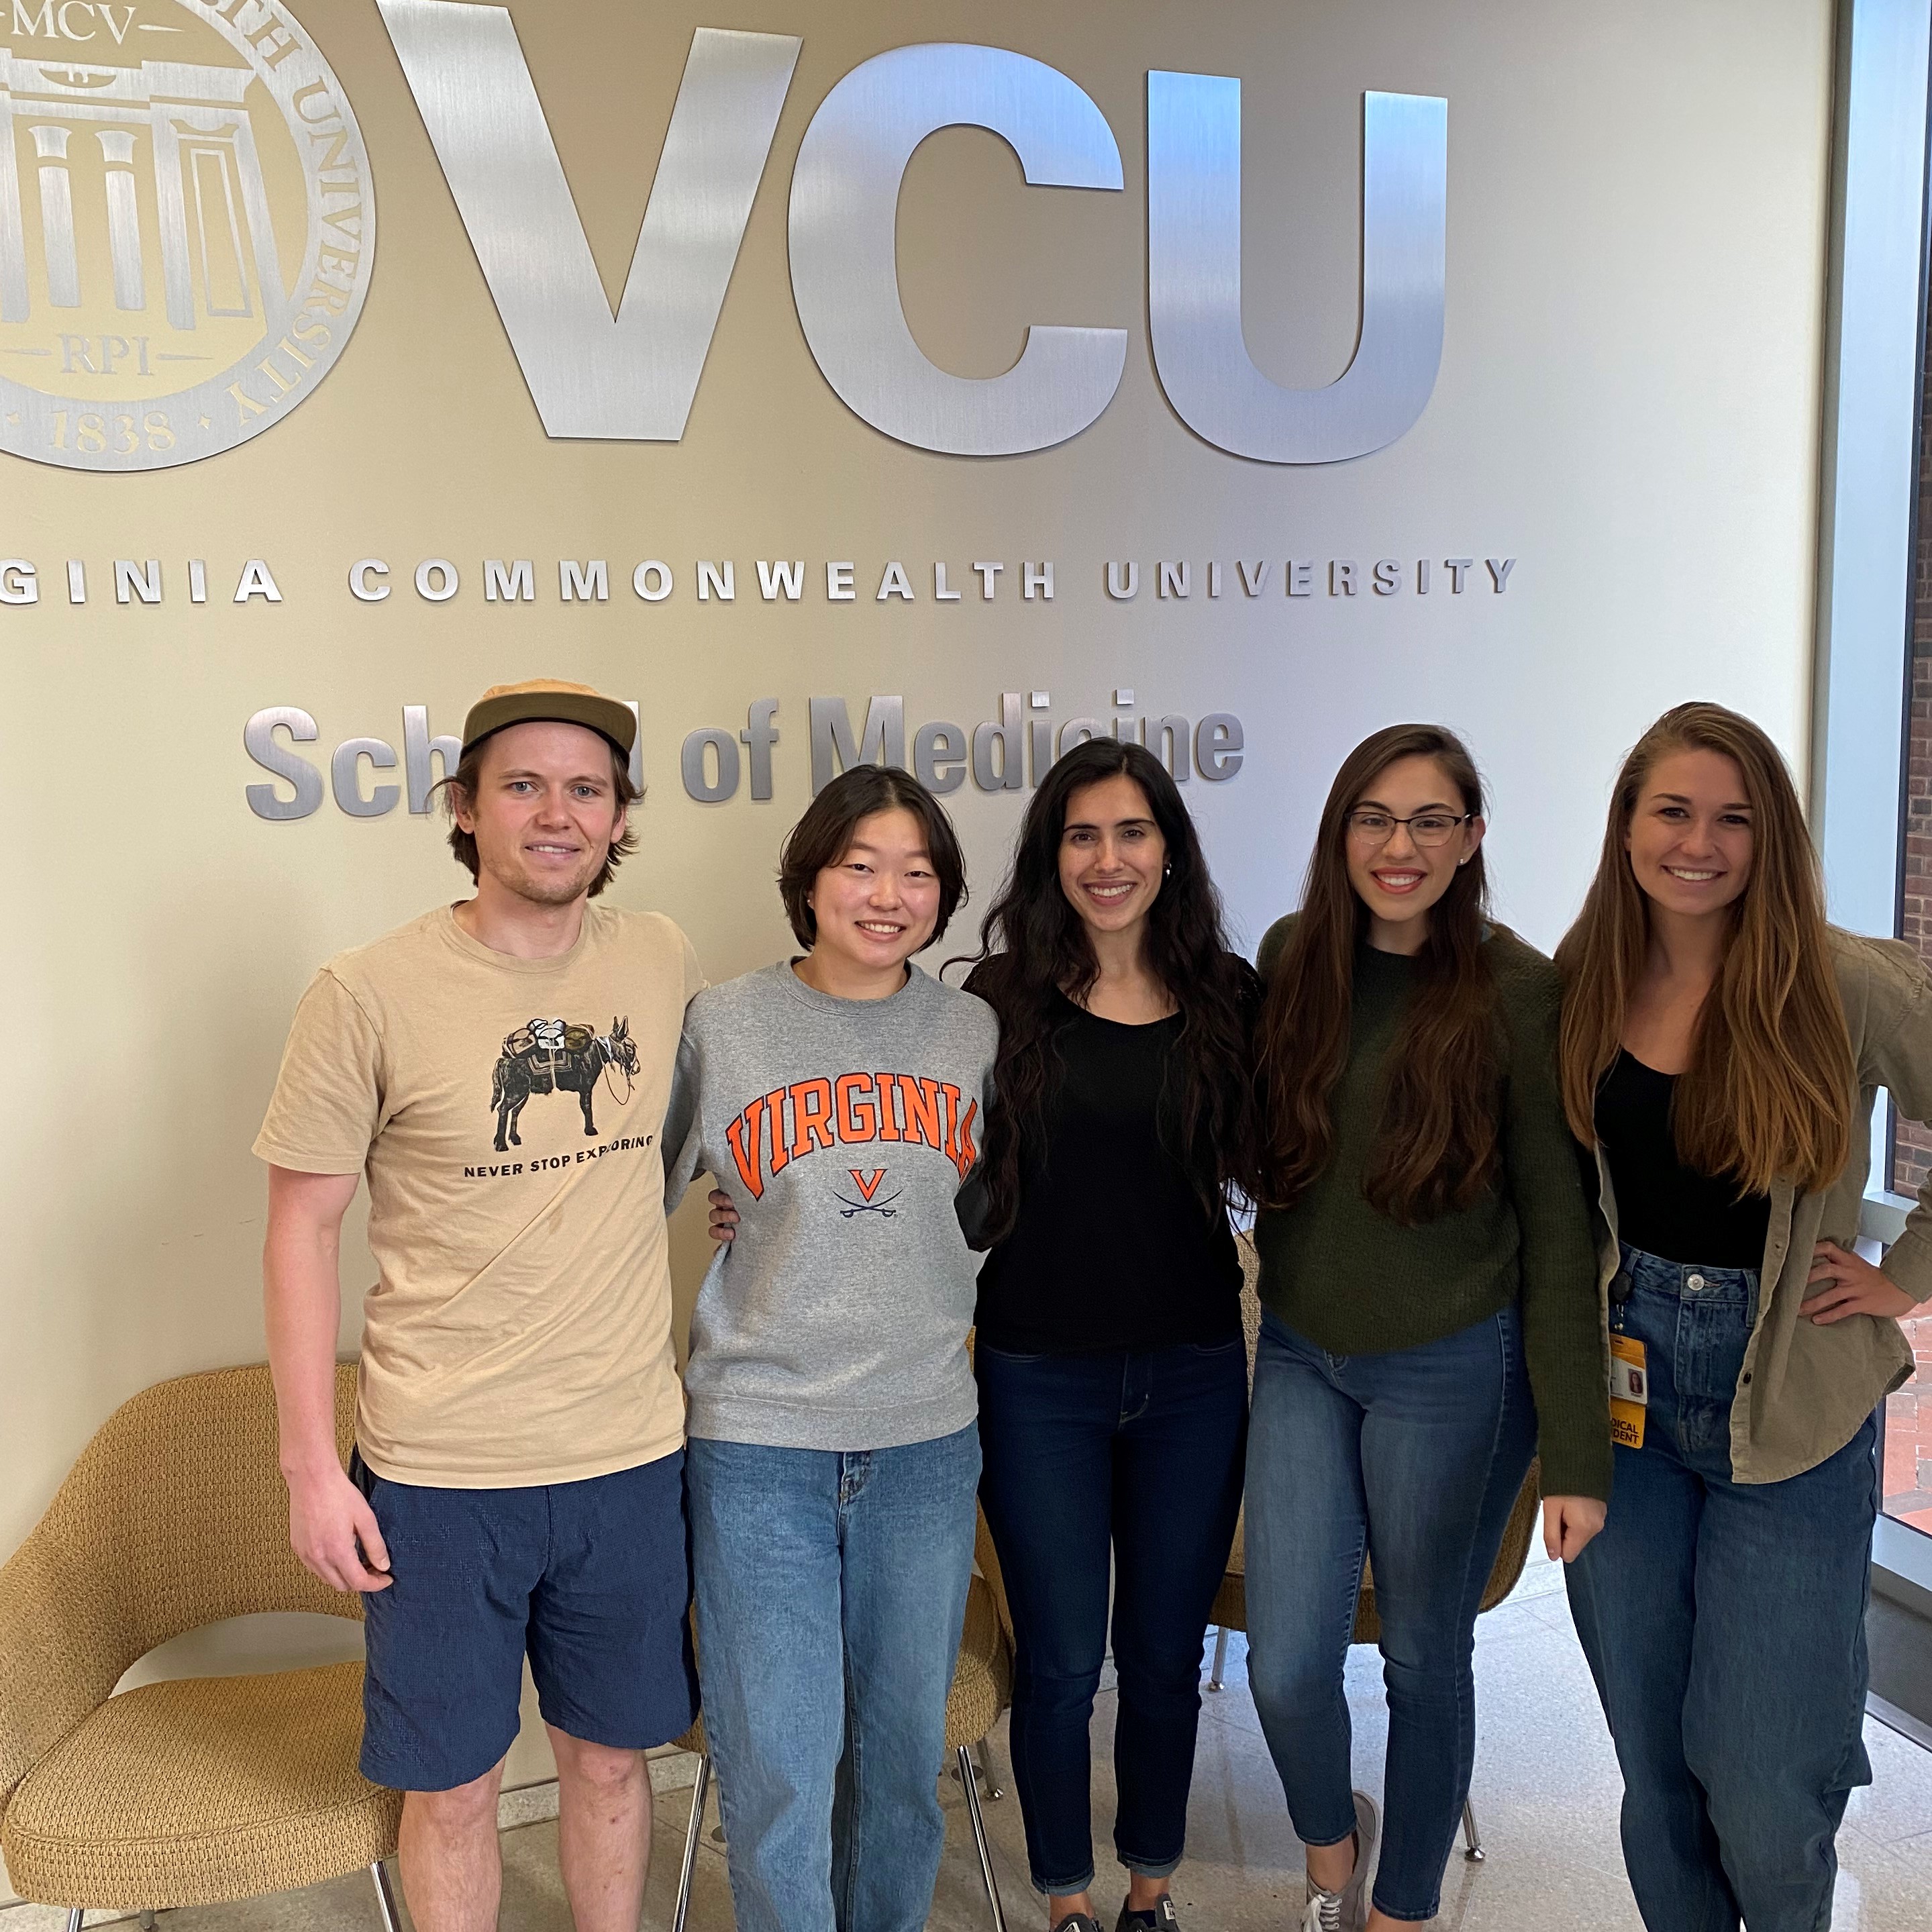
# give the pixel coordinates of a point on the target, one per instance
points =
(1768, 1090)
(1034, 947)
(1436, 1148)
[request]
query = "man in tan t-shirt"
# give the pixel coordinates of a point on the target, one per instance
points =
(499, 1069)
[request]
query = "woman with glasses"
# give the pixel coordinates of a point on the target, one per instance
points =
(1722, 1049)
(1430, 1313)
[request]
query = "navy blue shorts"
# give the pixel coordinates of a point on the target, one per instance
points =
(591, 1580)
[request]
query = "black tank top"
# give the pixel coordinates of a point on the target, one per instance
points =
(1663, 1207)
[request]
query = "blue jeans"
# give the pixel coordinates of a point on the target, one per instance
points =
(1725, 1625)
(1415, 1457)
(831, 1586)
(1137, 1457)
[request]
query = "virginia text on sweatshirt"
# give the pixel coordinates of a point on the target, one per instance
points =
(842, 1130)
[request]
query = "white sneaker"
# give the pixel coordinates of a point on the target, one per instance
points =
(1354, 1895)
(1347, 1910)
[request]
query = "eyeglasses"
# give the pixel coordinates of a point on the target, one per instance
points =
(1427, 828)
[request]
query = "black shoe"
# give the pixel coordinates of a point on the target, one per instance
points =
(1076, 1921)
(1163, 1918)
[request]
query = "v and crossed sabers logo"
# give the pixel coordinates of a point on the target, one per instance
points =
(868, 1185)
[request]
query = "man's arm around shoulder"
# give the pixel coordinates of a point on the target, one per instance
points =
(331, 1527)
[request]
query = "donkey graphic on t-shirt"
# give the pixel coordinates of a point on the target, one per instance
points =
(551, 1056)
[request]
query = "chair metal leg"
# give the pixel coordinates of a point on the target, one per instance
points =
(74, 1918)
(1220, 1658)
(983, 1751)
(1472, 1839)
(986, 1851)
(385, 1898)
(700, 1784)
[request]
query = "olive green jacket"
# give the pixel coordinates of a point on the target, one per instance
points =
(1805, 1390)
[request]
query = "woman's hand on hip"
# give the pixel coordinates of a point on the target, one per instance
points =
(1568, 1523)
(1848, 1284)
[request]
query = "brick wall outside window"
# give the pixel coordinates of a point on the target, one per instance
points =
(1912, 1145)
(1908, 1422)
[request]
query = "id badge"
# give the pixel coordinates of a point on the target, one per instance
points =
(1629, 1392)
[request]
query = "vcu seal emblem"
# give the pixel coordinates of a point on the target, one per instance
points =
(188, 225)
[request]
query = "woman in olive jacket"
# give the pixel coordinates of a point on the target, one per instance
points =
(1721, 1048)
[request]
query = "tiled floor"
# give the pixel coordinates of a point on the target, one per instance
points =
(1546, 1795)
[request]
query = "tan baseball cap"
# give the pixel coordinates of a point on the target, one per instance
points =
(550, 700)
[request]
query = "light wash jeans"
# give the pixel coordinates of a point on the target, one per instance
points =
(831, 1586)
(1725, 1624)
(1415, 1456)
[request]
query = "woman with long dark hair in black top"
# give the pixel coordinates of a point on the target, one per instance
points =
(1109, 1346)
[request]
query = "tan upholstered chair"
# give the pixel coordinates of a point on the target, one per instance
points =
(982, 1687)
(206, 1790)
(1230, 1604)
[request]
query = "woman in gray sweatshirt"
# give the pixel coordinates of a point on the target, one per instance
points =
(834, 1455)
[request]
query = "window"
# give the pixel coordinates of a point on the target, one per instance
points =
(1906, 1487)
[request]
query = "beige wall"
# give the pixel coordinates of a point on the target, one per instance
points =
(1627, 405)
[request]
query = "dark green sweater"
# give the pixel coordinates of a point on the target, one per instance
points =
(1353, 1282)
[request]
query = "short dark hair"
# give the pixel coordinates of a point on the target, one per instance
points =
(823, 836)
(461, 785)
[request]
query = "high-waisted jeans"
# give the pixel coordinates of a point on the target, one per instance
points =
(1140, 1455)
(1415, 1457)
(1724, 1623)
(831, 1586)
